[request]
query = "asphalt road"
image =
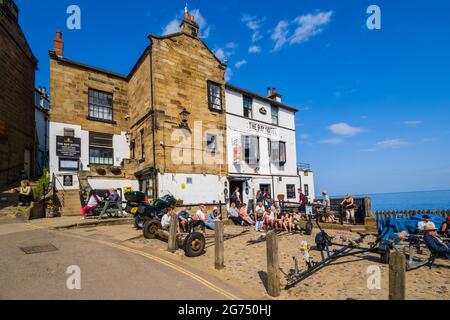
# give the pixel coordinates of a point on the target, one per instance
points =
(107, 273)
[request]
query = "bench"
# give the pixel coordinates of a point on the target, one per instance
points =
(109, 209)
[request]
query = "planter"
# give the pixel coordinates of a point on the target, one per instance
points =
(50, 213)
(116, 170)
(101, 171)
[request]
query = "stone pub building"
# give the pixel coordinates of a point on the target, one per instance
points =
(113, 130)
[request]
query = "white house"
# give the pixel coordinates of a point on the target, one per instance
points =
(261, 144)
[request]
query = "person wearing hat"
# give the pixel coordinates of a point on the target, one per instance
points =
(434, 243)
(425, 221)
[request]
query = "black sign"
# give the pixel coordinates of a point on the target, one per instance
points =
(68, 181)
(68, 147)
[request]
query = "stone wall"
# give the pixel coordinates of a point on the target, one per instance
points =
(17, 75)
(182, 67)
(70, 84)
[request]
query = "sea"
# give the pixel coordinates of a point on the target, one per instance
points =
(422, 200)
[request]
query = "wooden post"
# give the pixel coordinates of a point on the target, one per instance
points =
(219, 246)
(368, 207)
(273, 265)
(397, 278)
(173, 243)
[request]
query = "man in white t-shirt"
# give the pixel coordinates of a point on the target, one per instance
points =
(259, 216)
(425, 221)
(165, 221)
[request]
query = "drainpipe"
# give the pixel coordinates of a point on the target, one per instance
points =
(155, 173)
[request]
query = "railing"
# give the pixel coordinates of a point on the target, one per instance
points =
(55, 190)
(443, 213)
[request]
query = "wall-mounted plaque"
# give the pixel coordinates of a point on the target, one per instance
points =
(68, 147)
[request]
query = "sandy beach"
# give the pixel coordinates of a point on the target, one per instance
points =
(345, 279)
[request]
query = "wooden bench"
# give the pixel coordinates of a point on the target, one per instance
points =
(109, 209)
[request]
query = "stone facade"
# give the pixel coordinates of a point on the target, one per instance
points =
(171, 77)
(17, 75)
(69, 85)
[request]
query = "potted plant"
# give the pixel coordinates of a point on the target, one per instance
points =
(50, 209)
(101, 171)
(116, 170)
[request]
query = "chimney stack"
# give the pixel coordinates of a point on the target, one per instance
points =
(274, 95)
(188, 24)
(186, 13)
(58, 44)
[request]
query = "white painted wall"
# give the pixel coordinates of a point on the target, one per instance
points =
(238, 127)
(235, 105)
(105, 184)
(120, 145)
(204, 188)
(278, 187)
(309, 180)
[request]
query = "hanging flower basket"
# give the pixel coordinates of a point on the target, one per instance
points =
(116, 170)
(101, 171)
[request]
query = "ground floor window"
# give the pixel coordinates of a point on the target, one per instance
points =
(101, 150)
(146, 186)
(265, 188)
(290, 191)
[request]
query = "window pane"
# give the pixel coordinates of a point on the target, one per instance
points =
(274, 112)
(282, 153)
(214, 96)
(100, 105)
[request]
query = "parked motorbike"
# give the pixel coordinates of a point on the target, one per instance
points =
(156, 211)
(134, 200)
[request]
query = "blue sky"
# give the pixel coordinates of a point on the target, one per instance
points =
(374, 104)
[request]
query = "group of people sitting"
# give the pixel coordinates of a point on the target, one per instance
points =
(266, 216)
(188, 222)
(94, 200)
(432, 236)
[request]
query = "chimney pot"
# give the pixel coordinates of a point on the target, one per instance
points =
(269, 92)
(274, 91)
(58, 44)
(192, 18)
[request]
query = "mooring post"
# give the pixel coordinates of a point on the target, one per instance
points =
(273, 265)
(397, 276)
(173, 243)
(368, 207)
(219, 246)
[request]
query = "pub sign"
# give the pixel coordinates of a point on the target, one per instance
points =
(68, 147)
